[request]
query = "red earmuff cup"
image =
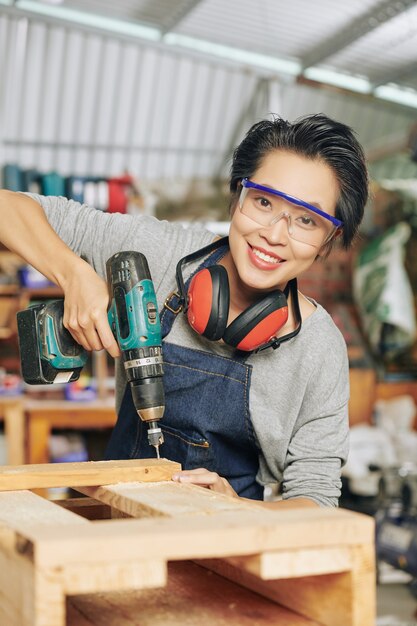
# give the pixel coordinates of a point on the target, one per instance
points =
(200, 291)
(264, 330)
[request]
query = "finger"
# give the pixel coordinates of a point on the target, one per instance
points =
(82, 328)
(197, 470)
(106, 336)
(84, 333)
(207, 479)
(91, 340)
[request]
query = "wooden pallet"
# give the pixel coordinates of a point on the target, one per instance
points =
(177, 554)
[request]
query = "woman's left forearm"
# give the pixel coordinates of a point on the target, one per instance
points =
(291, 503)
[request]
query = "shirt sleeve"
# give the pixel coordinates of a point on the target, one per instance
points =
(319, 444)
(316, 454)
(96, 236)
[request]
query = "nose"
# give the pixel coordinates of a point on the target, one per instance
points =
(278, 229)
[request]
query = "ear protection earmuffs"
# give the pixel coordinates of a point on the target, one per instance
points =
(206, 304)
(208, 310)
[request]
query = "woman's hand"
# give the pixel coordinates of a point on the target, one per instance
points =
(85, 310)
(204, 478)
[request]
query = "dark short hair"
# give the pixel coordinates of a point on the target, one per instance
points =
(314, 137)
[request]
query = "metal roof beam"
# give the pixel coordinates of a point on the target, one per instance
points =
(177, 15)
(359, 27)
(401, 73)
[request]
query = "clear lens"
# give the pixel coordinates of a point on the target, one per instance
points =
(303, 225)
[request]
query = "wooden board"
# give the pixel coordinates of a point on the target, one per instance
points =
(319, 563)
(24, 509)
(336, 599)
(222, 535)
(166, 499)
(47, 475)
(193, 595)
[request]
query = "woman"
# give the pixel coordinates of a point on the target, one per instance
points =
(240, 414)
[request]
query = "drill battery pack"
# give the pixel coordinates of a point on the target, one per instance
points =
(48, 352)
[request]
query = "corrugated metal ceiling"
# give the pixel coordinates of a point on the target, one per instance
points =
(82, 98)
(371, 38)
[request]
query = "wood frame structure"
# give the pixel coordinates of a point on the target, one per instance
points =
(72, 563)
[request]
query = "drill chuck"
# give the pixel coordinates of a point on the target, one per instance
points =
(144, 370)
(148, 398)
(155, 436)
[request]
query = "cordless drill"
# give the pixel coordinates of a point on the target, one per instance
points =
(49, 353)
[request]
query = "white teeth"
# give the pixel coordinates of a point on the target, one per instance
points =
(265, 257)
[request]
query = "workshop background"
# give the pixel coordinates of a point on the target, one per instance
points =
(136, 105)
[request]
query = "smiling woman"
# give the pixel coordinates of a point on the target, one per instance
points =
(258, 229)
(239, 415)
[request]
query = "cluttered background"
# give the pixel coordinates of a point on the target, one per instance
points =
(136, 107)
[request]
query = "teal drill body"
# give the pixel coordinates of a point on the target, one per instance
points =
(49, 354)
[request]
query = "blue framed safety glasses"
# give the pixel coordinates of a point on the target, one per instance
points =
(306, 223)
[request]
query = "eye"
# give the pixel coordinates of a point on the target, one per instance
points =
(262, 202)
(307, 221)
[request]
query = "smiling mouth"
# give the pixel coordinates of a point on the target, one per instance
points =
(267, 258)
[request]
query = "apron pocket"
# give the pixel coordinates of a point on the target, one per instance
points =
(189, 449)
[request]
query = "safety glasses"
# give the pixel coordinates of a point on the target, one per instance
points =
(306, 223)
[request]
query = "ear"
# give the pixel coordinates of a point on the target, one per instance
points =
(327, 247)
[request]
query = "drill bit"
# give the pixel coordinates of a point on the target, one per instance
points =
(155, 436)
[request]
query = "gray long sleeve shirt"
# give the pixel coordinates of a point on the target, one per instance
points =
(299, 393)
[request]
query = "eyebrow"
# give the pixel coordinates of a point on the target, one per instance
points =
(312, 202)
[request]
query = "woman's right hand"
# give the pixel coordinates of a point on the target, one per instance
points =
(85, 309)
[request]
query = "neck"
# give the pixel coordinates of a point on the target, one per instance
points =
(241, 296)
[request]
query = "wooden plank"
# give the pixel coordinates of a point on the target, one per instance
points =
(226, 534)
(31, 596)
(50, 551)
(28, 597)
(83, 474)
(192, 596)
(166, 499)
(295, 563)
(22, 509)
(344, 599)
(113, 576)
(362, 595)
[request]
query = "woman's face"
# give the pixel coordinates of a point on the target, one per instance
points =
(266, 257)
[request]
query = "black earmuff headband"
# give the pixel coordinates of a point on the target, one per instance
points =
(183, 299)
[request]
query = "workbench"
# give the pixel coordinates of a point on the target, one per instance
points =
(139, 549)
(29, 423)
(41, 416)
(12, 414)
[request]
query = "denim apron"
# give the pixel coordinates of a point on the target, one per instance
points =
(206, 421)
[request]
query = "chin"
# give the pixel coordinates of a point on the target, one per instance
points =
(255, 281)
